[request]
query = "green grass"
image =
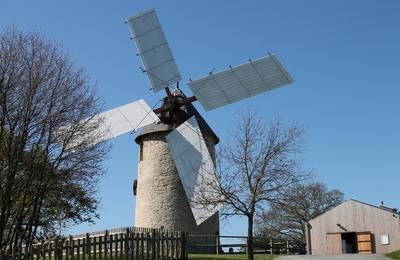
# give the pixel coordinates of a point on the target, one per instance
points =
(227, 256)
(206, 257)
(394, 254)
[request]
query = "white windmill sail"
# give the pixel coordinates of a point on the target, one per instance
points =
(154, 50)
(194, 164)
(237, 83)
(117, 121)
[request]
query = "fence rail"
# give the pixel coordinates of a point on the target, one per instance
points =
(261, 245)
(134, 243)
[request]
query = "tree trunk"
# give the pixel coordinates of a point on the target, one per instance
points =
(250, 246)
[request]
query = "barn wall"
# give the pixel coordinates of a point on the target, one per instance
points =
(354, 217)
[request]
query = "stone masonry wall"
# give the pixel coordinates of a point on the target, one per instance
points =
(161, 200)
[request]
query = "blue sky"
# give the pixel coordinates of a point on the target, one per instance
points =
(343, 55)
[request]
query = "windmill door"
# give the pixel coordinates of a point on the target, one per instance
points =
(364, 242)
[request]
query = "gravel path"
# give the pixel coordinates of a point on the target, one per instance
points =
(333, 257)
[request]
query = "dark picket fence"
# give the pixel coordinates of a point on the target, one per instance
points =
(133, 243)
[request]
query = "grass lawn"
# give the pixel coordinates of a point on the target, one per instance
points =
(394, 254)
(202, 256)
(227, 256)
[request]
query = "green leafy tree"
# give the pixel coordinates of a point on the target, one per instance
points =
(47, 176)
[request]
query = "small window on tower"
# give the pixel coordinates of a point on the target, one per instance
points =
(135, 187)
(141, 152)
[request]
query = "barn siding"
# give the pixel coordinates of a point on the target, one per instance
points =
(355, 217)
(333, 245)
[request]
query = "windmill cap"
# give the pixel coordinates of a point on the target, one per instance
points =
(161, 127)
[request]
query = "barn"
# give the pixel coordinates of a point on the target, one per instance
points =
(354, 227)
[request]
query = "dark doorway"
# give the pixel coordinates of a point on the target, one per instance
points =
(349, 243)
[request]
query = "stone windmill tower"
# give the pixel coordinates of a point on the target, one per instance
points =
(160, 195)
(176, 144)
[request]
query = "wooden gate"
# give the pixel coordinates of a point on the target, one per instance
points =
(364, 242)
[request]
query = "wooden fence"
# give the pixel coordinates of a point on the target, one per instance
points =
(133, 243)
(261, 245)
(280, 246)
(145, 243)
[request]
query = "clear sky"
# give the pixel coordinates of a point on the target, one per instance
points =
(343, 55)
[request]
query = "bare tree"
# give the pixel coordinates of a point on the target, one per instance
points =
(41, 180)
(301, 203)
(260, 161)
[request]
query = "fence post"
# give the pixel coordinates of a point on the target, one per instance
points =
(127, 243)
(271, 246)
(162, 244)
(78, 249)
(184, 246)
(111, 246)
(49, 248)
(64, 244)
(87, 245)
(62, 241)
(172, 244)
(142, 254)
(177, 244)
(106, 245)
(167, 243)
(137, 244)
(13, 250)
(56, 248)
(42, 249)
(72, 250)
(217, 242)
(287, 247)
(153, 243)
(93, 244)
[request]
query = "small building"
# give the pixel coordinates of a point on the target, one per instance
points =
(354, 227)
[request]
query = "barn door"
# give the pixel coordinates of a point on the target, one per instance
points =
(364, 242)
(333, 244)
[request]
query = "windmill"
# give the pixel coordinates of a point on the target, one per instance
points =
(176, 157)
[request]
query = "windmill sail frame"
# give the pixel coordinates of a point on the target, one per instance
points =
(195, 166)
(156, 55)
(240, 82)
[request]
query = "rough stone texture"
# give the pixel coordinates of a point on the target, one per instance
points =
(161, 200)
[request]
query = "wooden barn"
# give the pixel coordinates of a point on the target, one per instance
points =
(354, 227)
